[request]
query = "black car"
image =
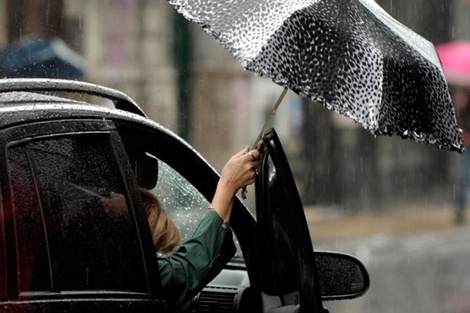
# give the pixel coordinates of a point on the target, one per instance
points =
(60, 251)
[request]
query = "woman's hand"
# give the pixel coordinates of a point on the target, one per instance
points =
(238, 172)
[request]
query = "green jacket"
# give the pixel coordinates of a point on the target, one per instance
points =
(197, 261)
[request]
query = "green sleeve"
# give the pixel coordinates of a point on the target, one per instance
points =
(197, 261)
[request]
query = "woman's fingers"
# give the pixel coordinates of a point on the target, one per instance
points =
(252, 162)
(240, 170)
(252, 155)
(242, 152)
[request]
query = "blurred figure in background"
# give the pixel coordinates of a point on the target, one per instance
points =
(462, 106)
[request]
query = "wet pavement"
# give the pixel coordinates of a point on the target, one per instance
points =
(417, 258)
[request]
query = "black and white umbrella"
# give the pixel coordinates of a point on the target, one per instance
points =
(350, 55)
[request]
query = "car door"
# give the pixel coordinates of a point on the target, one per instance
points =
(288, 275)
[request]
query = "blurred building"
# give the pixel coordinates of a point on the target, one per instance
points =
(128, 45)
(183, 79)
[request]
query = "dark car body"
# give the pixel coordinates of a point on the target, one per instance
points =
(62, 250)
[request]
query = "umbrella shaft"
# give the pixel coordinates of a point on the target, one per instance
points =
(266, 124)
(270, 117)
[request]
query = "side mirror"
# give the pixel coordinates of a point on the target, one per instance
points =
(341, 276)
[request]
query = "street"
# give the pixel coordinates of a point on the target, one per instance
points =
(422, 271)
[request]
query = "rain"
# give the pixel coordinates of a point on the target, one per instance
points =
(390, 202)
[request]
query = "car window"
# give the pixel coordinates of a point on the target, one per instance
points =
(181, 200)
(67, 238)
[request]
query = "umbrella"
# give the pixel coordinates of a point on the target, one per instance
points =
(455, 58)
(41, 58)
(350, 55)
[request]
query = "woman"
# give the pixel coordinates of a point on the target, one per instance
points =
(198, 260)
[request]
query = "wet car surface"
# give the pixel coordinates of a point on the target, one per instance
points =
(63, 250)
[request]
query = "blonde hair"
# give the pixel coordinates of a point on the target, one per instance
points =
(165, 234)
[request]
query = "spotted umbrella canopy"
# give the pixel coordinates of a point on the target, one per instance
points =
(350, 55)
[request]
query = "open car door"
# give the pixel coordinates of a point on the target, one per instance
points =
(288, 273)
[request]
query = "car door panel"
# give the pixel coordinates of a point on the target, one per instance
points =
(287, 252)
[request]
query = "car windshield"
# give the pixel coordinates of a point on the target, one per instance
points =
(398, 205)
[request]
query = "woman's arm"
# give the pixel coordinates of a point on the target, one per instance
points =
(237, 173)
(197, 261)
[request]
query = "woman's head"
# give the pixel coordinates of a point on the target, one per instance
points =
(165, 234)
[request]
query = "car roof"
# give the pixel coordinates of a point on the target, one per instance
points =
(35, 100)
(25, 107)
(36, 106)
(41, 86)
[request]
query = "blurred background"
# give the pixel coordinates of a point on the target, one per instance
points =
(389, 201)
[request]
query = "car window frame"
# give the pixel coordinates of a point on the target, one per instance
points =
(197, 171)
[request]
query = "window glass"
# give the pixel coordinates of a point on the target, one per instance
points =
(182, 201)
(30, 229)
(69, 237)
